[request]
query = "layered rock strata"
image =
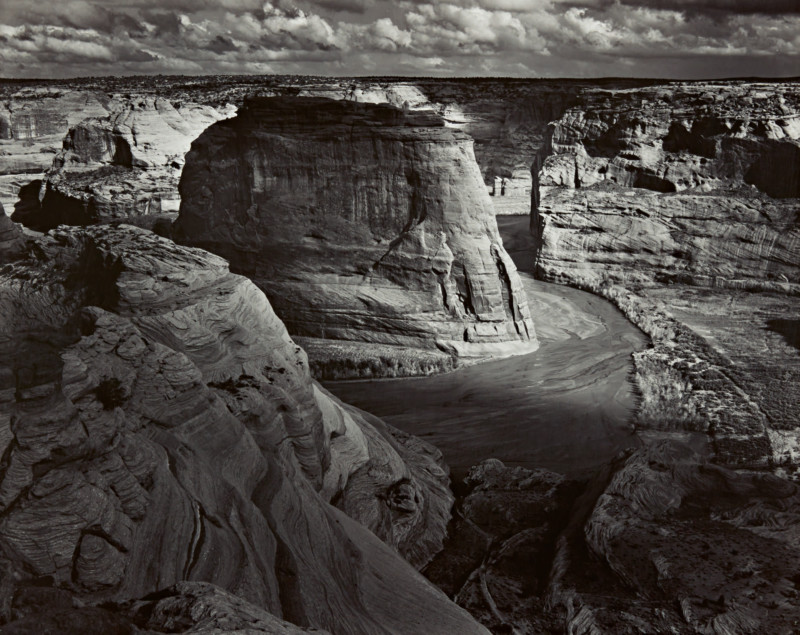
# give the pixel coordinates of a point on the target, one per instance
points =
(158, 425)
(698, 184)
(362, 223)
(118, 166)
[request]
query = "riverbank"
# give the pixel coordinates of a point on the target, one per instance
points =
(566, 407)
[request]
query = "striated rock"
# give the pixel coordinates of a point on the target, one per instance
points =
(198, 607)
(159, 426)
(360, 222)
(734, 239)
(683, 183)
(125, 164)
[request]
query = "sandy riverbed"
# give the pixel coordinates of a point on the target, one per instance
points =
(566, 407)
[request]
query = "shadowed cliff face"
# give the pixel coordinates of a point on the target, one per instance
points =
(361, 223)
(159, 425)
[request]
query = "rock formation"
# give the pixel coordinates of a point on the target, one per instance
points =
(119, 166)
(532, 552)
(360, 222)
(158, 425)
(12, 242)
(697, 183)
(33, 122)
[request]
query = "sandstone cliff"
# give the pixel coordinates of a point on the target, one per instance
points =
(118, 166)
(695, 183)
(159, 425)
(360, 222)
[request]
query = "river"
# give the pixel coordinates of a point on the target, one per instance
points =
(566, 407)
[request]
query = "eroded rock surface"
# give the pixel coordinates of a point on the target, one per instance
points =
(360, 222)
(694, 183)
(159, 425)
(531, 552)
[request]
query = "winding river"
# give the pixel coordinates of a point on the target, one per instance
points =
(565, 407)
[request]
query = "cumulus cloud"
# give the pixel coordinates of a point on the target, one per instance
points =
(519, 37)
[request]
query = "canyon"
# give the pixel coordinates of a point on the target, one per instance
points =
(186, 257)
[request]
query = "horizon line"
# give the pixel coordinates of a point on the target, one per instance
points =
(604, 78)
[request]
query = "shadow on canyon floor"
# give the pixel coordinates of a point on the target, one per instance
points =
(789, 329)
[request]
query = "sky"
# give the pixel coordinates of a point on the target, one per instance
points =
(508, 38)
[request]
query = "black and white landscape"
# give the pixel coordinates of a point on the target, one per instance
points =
(288, 353)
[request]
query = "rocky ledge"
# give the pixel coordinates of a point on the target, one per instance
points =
(158, 425)
(122, 165)
(362, 223)
(694, 183)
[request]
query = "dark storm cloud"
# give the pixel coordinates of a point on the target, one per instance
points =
(720, 7)
(346, 6)
(166, 22)
(221, 44)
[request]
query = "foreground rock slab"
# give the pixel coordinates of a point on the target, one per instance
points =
(159, 425)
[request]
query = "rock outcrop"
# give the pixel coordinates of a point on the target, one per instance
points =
(123, 165)
(360, 222)
(186, 607)
(691, 183)
(531, 552)
(158, 425)
(12, 241)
